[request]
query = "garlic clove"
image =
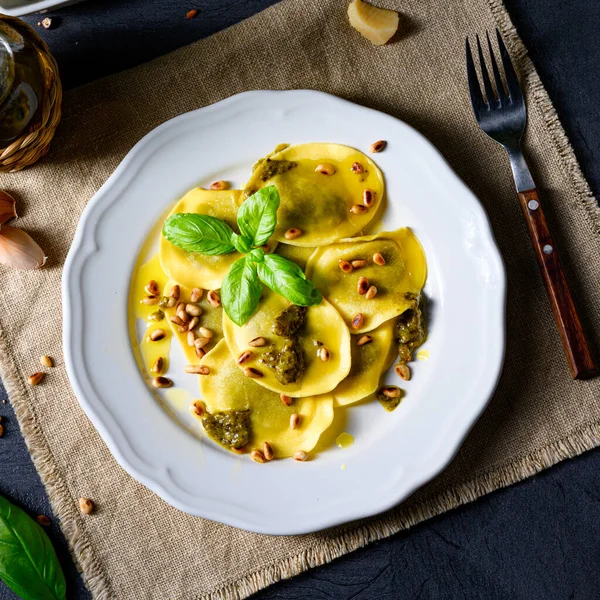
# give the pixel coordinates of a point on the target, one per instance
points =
(19, 250)
(378, 25)
(7, 207)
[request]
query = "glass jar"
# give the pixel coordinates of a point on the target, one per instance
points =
(21, 85)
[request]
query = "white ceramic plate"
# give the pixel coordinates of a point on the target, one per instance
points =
(153, 437)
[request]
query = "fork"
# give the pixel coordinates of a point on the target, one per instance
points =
(502, 116)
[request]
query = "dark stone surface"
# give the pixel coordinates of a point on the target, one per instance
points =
(538, 539)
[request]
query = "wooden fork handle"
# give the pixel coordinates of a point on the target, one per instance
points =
(576, 347)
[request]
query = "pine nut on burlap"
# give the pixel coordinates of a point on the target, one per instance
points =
(136, 546)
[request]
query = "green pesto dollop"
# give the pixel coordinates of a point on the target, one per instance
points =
(288, 363)
(289, 321)
(389, 404)
(230, 428)
(267, 168)
(411, 329)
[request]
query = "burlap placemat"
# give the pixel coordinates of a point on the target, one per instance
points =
(136, 546)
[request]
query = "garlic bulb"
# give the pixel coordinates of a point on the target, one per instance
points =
(7, 207)
(19, 250)
(378, 25)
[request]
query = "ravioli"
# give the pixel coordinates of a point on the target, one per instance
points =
(317, 204)
(298, 254)
(211, 318)
(369, 361)
(226, 388)
(398, 281)
(323, 327)
(197, 270)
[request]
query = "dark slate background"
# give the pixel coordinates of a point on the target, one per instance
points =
(536, 540)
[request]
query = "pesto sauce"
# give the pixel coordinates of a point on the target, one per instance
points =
(390, 404)
(289, 321)
(411, 329)
(230, 428)
(288, 364)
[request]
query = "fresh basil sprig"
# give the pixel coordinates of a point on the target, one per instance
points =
(28, 563)
(241, 288)
(199, 233)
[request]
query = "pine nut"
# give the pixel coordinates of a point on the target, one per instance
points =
(205, 332)
(197, 369)
(213, 298)
(363, 285)
(162, 382)
(403, 371)
(258, 342)
(183, 316)
(345, 266)
(152, 288)
(167, 302)
(193, 324)
(175, 319)
(356, 168)
(180, 306)
(301, 456)
(357, 321)
(158, 365)
(295, 421)
(368, 198)
(36, 378)
(175, 292)
(43, 520)
(198, 408)
(293, 233)
(157, 335)
(193, 310)
(150, 300)
(182, 328)
(200, 352)
(196, 294)
(86, 506)
(191, 339)
(359, 263)
(257, 456)
(323, 354)
(359, 209)
(377, 146)
(252, 373)
(244, 357)
(378, 259)
(364, 339)
(267, 451)
(287, 400)
(325, 169)
(390, 391)
(202, 342)
(46, 361)
(219, 185)
(371, 293)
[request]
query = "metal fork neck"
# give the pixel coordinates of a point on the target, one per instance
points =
(523, 179)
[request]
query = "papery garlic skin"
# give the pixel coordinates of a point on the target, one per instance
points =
(19, 250)
(7, 207)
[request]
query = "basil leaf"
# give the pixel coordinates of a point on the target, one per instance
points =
(240, 291)
(199, 233)
(241, 243)
(288, 280)
(257, 216)
(257, 255)
(28, 562)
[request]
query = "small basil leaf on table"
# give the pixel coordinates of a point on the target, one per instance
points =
(241, 243)
(28, 563)
(240, 291)
(288, 280)
(199, 233)
(257, 216)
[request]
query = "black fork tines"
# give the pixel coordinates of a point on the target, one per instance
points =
(498, 97)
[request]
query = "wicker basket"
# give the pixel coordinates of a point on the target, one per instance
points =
(31, 146)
